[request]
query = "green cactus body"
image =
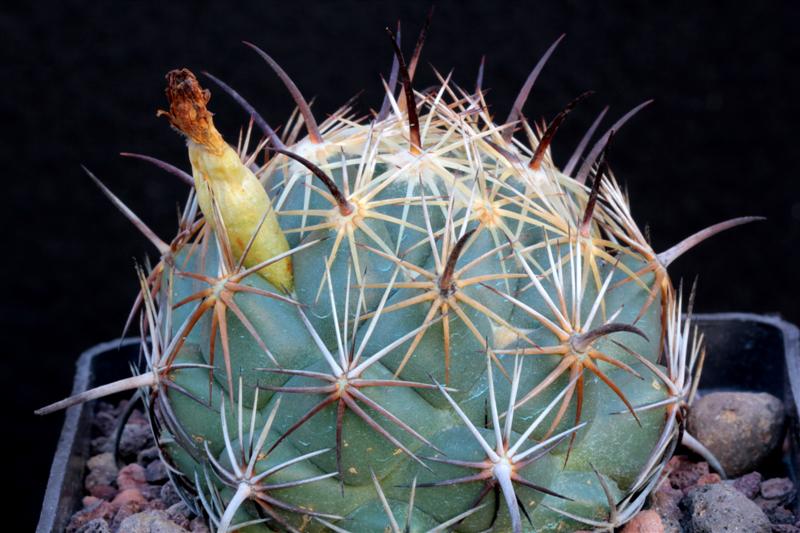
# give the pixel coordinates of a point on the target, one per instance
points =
(452, 309)
(468, 337)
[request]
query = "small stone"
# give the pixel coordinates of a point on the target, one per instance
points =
(104, 423)
(98, 525)
(157, 504)
(779, 488)
(101, 509)
(135, 437)
(748, 484)
(179, 514)
(739, 428)
(149, 522)
(672, 525)
(644, 522)
(780, 515)
(151, 492)
(88, 501)
(169, 494)
(129, 509)
(129, 495)
(684, 473)
(147, 456)
(198, 526)
(102, 445)
(102, 471)
(708, 479)
(131, 476)
(665, 499)
(718, 507)
(104, 492)
(156, 472)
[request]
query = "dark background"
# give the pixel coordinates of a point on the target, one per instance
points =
(82, 81)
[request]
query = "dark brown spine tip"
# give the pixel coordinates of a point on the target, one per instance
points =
(180, 174)
(411, 105)
(305, 110)
(516, 109)
(582, 342)
(446, 280)
(423, 34)
(345, 207)
(384, 111)
(254, 115)
(585, 168)
(586, 223)
(547, 138)
(187, 109)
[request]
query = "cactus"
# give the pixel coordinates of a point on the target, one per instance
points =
(413, 318)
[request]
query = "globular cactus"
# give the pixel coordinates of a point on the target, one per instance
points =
(411, 321)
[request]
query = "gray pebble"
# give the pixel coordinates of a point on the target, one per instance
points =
(785, 528)
(718, 507)
(102, 471)
(778, 488)
(739, 428)
(147, 456)
(170, 495)
(149, 522)
(135, 437)
(156, 472)
(98, 525)
(198, 526)
(179, 514)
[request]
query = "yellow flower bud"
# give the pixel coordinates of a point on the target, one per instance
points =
(240, 199)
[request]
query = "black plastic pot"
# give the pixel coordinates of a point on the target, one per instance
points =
(745, 352)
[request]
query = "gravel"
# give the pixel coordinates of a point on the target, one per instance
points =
(132, 497)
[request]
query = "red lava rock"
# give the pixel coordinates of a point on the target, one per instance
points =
(748, 484)
(88, 501)
(644, 522)
(104, 492)
(778, 488)
(131, 477)
(102, 509)
(128, 509)
(683, 473)
(708, 479)
(665, 500)
(128, 495)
